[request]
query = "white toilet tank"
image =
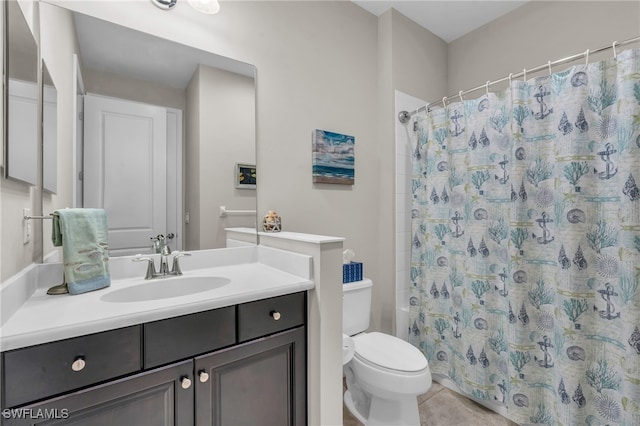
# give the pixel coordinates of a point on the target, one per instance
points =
(356, 306)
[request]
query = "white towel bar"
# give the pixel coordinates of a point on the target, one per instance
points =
(27, 217)
(224, 212)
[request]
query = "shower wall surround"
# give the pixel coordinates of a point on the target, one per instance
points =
(405, 144)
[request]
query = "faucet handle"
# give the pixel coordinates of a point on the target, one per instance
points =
(180, 254)
(151, 268)
(175, 268)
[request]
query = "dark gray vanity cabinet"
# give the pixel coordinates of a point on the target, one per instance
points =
(262, 382)
(162, 396)
(237, 365)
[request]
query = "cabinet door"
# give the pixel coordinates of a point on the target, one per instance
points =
(262, 382)
(157, 397)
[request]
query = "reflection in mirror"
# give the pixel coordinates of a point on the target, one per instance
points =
(49, 132)
(148, 100)
(21, 141)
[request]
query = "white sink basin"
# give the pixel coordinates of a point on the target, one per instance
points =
(164, 288)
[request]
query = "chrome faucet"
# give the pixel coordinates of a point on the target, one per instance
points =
(164, 270)
(164, 254)
(159, 243)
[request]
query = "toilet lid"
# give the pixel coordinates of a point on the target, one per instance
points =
(389, 352)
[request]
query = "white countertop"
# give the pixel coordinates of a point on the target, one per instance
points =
(265, 273)
(297, 236)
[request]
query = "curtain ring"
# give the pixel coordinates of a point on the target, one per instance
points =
(510, 78)
(587, 56)
(615, 55)
(549, 64)
(460, 94)
(444, 102)
(524, 73)
(487, 87)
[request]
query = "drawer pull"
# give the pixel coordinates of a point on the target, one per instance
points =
(185, 382)
(203, 376)
(78, 364)
(275, 315)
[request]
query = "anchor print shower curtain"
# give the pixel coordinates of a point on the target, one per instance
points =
(526, 245)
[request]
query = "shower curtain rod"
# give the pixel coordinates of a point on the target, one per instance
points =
(405, 116)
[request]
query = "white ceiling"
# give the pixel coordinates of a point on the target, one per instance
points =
(105, 46)
(448, 20)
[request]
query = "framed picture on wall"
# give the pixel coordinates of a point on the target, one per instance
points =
(245, 176)
(333, 158)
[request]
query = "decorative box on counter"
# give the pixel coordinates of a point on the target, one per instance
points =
(351, 272)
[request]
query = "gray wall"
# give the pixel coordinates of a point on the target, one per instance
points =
(538, 32)
(226, 110)
(413, 60)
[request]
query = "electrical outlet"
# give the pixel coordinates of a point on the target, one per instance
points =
(26, 226)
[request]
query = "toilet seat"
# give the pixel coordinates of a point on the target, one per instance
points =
(389, 353)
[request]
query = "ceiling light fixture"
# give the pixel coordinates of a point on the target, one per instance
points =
(209, 7)
(165, 4)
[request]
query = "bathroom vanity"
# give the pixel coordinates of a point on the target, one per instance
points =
(233, 355)
(232, 365)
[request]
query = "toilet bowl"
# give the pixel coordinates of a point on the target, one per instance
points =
(384, 378)
(385, 374)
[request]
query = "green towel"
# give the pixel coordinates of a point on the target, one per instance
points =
(83, 235)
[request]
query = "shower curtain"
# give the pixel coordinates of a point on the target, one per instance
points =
(526, 245)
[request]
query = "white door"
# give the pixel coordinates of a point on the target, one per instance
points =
(125, 166)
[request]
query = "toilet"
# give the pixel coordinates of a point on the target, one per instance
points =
(384, 374)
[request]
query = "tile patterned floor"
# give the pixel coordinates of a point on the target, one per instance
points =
(443, 407)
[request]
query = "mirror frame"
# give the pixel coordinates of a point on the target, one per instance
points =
(49, 124)
(5, 86)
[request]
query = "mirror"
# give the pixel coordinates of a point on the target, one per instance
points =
(21, 74)
(165, 125)
(49, 132)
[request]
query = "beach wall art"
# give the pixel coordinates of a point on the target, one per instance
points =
(333, 158)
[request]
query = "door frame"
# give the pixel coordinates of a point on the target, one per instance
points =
(78, 133)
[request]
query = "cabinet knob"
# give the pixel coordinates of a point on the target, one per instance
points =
(78, 364)
(203, 376)
(185, 382)
(275, 315)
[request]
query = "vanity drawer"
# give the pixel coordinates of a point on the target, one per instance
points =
(185, 336)
(41, 371)
(267, 316)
